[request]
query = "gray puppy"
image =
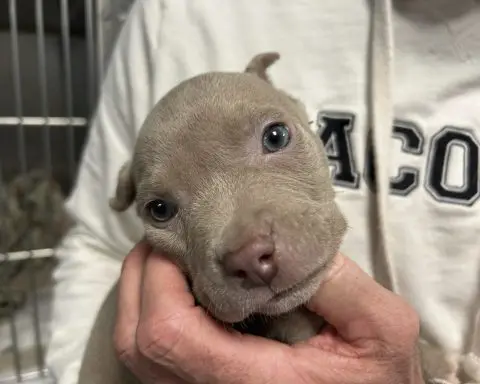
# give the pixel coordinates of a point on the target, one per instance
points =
(231, 183)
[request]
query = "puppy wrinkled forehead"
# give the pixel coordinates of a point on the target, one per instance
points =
(208, 125)
(213, 109)
(216, 97)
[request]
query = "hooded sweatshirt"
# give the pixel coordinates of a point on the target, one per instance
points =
(393, 88)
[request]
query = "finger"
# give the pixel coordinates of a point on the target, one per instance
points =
(148, 371)
(129, 305)
(129, 292)
(358, 307)
(184, 339)
(165, 289)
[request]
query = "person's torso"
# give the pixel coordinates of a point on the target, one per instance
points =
(434, 202)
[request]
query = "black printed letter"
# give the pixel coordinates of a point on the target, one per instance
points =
(335, 131)
(412, 143)
(440, 161)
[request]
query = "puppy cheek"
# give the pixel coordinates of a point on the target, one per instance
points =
(202, 256)
(168, 243)
(309, 242)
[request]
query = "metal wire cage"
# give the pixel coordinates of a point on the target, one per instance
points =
(51, 66)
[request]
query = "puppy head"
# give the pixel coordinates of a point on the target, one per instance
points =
(229, 181)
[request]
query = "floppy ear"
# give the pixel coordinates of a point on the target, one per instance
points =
(125, 191)
(258, 64)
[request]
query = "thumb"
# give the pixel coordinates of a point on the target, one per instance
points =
(357, 306)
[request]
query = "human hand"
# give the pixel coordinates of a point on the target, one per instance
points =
(164, 338)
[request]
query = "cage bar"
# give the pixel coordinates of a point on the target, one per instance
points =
(67, 64)
(38, 121)
(22, 156)
(42, 77)
(99, 43)
(89, 30)
(36, 137)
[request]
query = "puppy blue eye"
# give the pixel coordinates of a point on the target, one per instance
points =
(161, 210)
(275, 137)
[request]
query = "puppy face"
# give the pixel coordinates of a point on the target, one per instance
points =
(231, 183)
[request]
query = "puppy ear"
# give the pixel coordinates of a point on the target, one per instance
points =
(258, 64)
(125, 191)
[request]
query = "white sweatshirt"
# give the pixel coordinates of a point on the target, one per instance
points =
(417, 93)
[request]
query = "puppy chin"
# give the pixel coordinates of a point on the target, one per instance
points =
(230, 307)
(298, 295)
(230, 316)
(226, 311)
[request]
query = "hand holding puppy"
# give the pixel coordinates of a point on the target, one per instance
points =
(162, 337)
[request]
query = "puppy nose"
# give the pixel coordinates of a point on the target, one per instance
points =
(253, 263)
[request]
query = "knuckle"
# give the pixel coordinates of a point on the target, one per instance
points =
(401, 331)
(157, 340)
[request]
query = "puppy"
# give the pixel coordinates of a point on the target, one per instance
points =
(231, 183)
(32, 213)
